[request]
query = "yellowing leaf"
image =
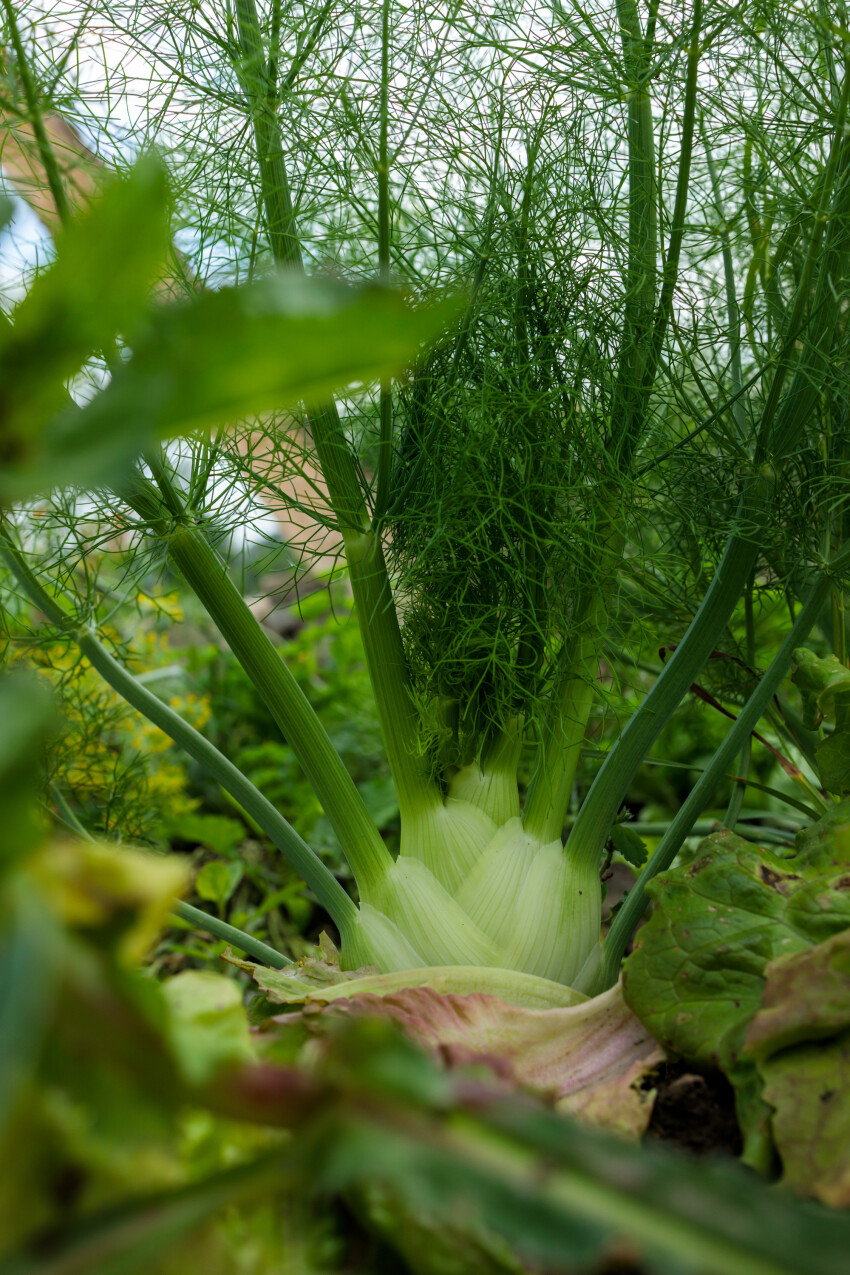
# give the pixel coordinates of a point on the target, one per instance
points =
(126, 894)
(800, 1041)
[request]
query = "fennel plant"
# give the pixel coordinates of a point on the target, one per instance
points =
(643, 396)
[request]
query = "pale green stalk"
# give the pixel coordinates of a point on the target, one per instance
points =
(644, 328)
(549, 792)
(826, 264)
(385, 453)
(490, 782)
(364, 554)
(641, 276)
(207, 575)
(732, 308)
(670, 272)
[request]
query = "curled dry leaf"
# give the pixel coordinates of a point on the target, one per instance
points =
(590, 1059)
(800, 1041)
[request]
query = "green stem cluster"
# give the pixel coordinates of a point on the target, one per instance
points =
(304, 860)
(630, 913)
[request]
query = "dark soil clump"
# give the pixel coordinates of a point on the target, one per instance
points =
(695, 1112)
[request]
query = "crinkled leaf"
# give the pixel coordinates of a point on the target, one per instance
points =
(822, 681)
(207, 1027)
(808, 1088)
(697, 973)
(825, 685)
(824, 842)
(833, 758)
(806, 997)
(800, 1041)
(589, 1059)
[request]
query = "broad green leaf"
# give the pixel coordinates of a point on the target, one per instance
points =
(217, 880)
(822, 681)
(233, 353)
(629, 844)
(808, 1089)
(800, 1042)
(696, 976)
(217, 832)
(197, 364)
(207, 1027)
(806, 996)
(833, 758)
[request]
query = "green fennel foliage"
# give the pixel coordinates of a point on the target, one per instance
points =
(646, 382)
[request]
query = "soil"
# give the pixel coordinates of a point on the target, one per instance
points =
(695, 1112)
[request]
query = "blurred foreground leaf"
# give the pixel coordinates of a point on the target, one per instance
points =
(27, 715)
(449, 1157)
(182, 366)
(136, 1236)
(208, 1028)
(93, 294)
(242, 351)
